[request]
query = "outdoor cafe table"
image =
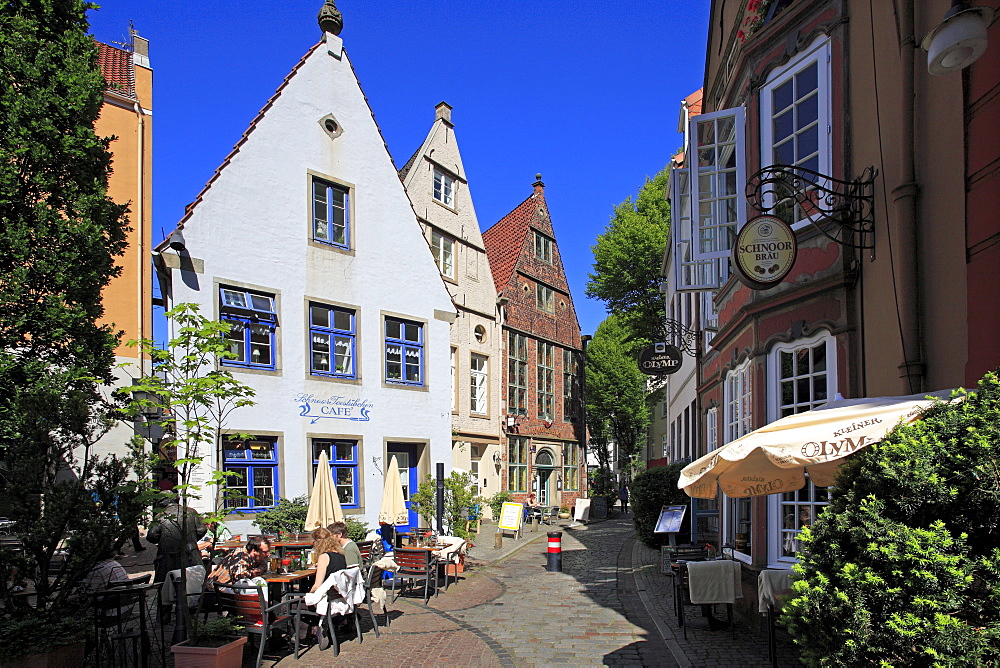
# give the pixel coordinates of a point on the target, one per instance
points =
(280, 583)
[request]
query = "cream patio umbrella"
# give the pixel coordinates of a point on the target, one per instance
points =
(324, 506)
(393, 509)
(776, 457)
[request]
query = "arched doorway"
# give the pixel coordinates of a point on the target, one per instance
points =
(545, 464)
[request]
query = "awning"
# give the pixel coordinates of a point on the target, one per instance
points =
(776, 457)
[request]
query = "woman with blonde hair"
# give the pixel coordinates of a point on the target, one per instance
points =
(331, 559)
(324, 541)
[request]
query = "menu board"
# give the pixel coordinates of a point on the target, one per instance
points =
(670, 519)
(581, 513)
(510, 517)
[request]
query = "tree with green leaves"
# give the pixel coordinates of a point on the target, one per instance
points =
(61, 234)
(628, 258)
(616, 395)
(458, 498)
(191, 396)
(903, 567)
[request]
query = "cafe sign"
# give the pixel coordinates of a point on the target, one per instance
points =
(660, 359)
(764, 252)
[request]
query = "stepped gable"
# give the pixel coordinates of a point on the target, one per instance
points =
(118, 69)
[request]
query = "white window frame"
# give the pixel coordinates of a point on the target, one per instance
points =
(711, 429)
(820, 53)
(738, 421)
(775, 506)
(443, 249)
(444, 188)
(479, 384)
(696, 269)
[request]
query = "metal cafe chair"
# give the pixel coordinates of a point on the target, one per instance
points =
(124, 631)
(415, 565)
(246, 606)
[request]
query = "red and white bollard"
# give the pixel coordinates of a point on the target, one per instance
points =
(555, 551)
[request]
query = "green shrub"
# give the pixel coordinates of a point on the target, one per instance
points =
(288, 516)
(496, 502)
(649, 492)
(903, 567)
(38, 631)
(458, 497)
(356, 529)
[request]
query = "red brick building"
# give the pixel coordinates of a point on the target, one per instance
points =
(543, 424)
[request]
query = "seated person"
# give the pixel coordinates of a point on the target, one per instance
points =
(350, 549)
(330, 556)
(107, 570)
(242, 563)
(217, 533)
(331, 559)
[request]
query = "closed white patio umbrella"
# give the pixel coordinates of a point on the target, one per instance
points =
(776, 457)
(324, 506)
(393, 509)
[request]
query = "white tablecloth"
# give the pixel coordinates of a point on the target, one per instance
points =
(714, 581)
(772, 588)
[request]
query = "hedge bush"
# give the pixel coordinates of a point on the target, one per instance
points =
(903, 567)
(649, 492)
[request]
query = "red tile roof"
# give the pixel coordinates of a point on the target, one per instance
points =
(118, 69)
(694, 101)
(505, 239)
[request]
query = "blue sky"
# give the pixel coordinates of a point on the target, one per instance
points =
(586, 93)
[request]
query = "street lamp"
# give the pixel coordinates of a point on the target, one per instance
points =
(959, 40)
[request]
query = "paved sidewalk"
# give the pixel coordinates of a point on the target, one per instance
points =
(609, 606)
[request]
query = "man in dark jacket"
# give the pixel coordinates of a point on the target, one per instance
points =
(177, 545)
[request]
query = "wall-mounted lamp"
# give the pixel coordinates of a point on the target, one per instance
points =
(496, 458)
(559, 483)
(532, 449)
(959, 39)
(176, 240)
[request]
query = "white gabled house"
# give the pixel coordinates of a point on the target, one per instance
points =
(305, 241)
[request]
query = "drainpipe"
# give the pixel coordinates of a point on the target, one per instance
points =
(904, 198)
(140, 225)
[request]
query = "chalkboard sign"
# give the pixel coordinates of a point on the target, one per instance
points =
(670, 519)
(599, 507)
(510, 517)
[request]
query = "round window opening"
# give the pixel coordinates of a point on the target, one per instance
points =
(480, 333)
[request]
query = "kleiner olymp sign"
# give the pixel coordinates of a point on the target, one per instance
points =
(764, 252)
(660, 359)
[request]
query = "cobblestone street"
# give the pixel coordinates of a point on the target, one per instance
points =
(609, 606)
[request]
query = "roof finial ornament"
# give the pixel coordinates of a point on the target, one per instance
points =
(538, 185)
(330, 18)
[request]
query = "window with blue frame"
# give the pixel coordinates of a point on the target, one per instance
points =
(343, 456)
(255, 463)
(404, 351)
(253, 322)
(331, 219)
(332, 339)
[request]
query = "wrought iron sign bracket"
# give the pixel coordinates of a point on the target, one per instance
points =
(686, 338)
(843, 211)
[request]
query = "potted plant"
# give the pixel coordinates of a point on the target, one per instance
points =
(214, 644)
(564, 513)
